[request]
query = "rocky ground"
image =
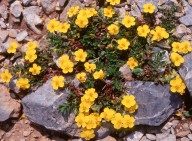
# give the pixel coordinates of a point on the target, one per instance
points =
(25, 20)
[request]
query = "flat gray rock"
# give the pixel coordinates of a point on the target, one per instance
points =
(186, 20)
(186, 72)
(41, 107)
(9, 108)
(16, 9)
(156, 103)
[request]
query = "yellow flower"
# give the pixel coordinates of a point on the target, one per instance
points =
(108, 12)
(159, 33)
(128, 21)
(67, 67)
(53, 25)
(90, 94)
(128, 121)
(176, 59)
(63, 27)
(73, 11)
(84, 107)
(176, 46)
(93, 11)
(62, 60)
(35, 70)
(128, 101)
(12, 47)
(80, 55)
(81, 21)
(123, 44)
(97, 118)
(23, 83)
(81, 77)
(89, 67)
(6, 76)
(57, 81)
(80, 120)
(143, 30)
(186, 47)
(132, 109)
(113, 2)
(86, 13)
(149, 8)
(132, 63)
(113, 29)
(117, 121)
(31, 56)
(107, 114)
(86, 99)
(177, 85)
(87, 134)
(99, 74)
(91, 123)
(31, 45)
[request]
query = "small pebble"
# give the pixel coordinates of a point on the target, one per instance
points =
(184, 139)
(151, 136)
(186, 126)
(190, 136)
(183, 133)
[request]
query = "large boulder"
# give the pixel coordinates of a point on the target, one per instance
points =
(9, 108)
(186, 72)
(156, 102)
(42, 107)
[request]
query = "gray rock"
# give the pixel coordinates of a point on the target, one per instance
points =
(62, 3)
(63, 15)
(3, 25)
(41, 107)
(126, 72)
(185, 139)
(108, 138)
(105, 130)
(16, 9)
(167, 126)
(187, 7)
(156, 103)
(181, 30)
(134, 136)
(45, 101)
(189, 136)
(12, 33)
(31, 17)
(170, 137)
(144, 138)
(190, 2)
(151, 137)
(186, 20)
(186, 72)
(162, 136)
(26, 2)
(9, 108)
(3, 11)
(3, 35)
(135, 11)
(48, 5)
(21, 36)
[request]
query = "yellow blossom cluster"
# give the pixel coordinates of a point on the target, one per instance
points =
(99, 74)
(85, 120)
(23, 83)
(90, 67)
(181, 47)
(118, 120)
(30, 54)
(177, 85)
(128, 21)
(81, 76)
(159, 33)
(80, 55)
(143, 31)
(57, 26)
(66, 64)
(130, 104)
(123, 44)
